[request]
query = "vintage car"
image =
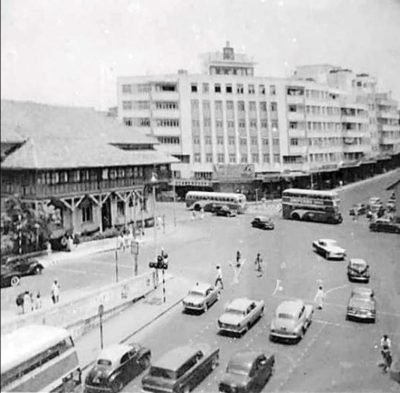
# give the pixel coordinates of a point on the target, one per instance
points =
(240, 315)
(225, 211)
(181, 369)
(116, 366)
(358, 209)
(24, 265)
(9, 276)
(329, 249)
(262, 223)
(247, 371)
(384, 225)
(358, 270)
(291, 321)
(361, 305)
(200, 297)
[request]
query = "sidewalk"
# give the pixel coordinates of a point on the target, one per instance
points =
(123, 327)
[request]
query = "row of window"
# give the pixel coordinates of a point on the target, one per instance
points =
(169, 140)
(84, 175)
(233, 159)
(232, 140)
(231, 125)
(144, 105)
(135, 88)
(325, 157)
(229, 88)
(230, 105)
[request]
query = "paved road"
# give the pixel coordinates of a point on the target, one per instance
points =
(335, 355)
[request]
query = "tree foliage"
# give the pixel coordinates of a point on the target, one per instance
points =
(24, 227)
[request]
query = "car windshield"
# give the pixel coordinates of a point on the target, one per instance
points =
(239, 369)
(162, 373)
(283, 315)
(196, 293)
(357, 264)
(235, 312)
(104, 362)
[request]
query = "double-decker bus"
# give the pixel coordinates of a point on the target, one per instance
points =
(209, 200)
(311, 205)
(39, 358)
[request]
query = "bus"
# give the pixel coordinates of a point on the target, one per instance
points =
(209, 200)
(39, 358)
(311, 205)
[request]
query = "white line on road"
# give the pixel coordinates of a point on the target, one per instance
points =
(336, 288)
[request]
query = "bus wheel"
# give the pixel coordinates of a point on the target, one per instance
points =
(295, 216)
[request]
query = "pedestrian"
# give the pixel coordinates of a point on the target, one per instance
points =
(193, 214)
(258, 262)
(202, 213)
(319, 297)
(218, 280)
(238, 256)
(76, 240)
(38, 301)
(55, 292)
(120, 242)
(237, 268)
(20, 302)
(27, 302)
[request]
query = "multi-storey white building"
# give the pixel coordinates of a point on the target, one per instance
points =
(320, 118)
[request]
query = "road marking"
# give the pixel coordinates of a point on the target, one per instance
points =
(278, 287)
(336, 288)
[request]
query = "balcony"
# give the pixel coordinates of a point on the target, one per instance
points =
(389, 127)
(298, 150)
(165, 96)
(293, 99)
(296, 116)
(166, 113)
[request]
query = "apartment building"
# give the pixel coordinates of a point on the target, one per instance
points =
(317, 120)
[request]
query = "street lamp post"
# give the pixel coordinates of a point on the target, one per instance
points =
(153, 181)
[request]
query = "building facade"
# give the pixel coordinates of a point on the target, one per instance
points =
(322, 119)
(83, 164)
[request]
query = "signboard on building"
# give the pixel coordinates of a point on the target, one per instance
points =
(234, 171)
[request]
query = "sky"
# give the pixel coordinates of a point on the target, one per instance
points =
(70, 52)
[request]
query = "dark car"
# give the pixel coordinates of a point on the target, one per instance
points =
(9, 276)
(384, 225)
(116, 366)
(262, 223)
(181, 369)
(359, 209)
(225, 211)
(358, 270)
(24, 265)
(247, 371)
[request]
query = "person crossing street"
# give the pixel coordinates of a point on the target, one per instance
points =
(258, 262)
(218, 280)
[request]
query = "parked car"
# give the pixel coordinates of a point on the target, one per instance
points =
(240, 315)
(247, 371)
(116, 366)
(329, 249)
(181, 369)
(225, 211)
(361, 305)
(384, 225)
(24, 265)
(262, 223)
(9, 276)
(291, 321)
(359, 209)
(200, 297)
(358, 270)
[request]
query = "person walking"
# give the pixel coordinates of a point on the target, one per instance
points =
(55, 292)
(202, 213)
(386, 346)
(27, 302)
(237, 267)
(319, 297)
(238, 256)
(38, 301)
(20, 302)
(193, 214)
(258, 262)
(218, 280)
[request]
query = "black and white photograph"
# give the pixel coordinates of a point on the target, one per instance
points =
(200, 196)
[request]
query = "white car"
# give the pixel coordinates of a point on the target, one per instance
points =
(200, 297)
(329, 249)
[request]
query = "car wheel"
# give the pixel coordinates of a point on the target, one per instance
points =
(14, 281)
(145, 362)
(38, 270)
(326, 255)
(116, 386)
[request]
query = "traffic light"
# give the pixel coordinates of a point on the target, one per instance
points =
(153, 265)
(160, 264)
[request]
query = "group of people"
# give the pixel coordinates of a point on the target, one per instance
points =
(29, 301)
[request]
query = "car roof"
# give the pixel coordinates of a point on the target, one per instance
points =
(245, 358)
(262, 218)
(357, 261)
(114, 352)
(240, 304)
(174, 359)
(290, 306)
(201, 287)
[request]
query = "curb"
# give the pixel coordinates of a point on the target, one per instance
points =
(169, 308)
